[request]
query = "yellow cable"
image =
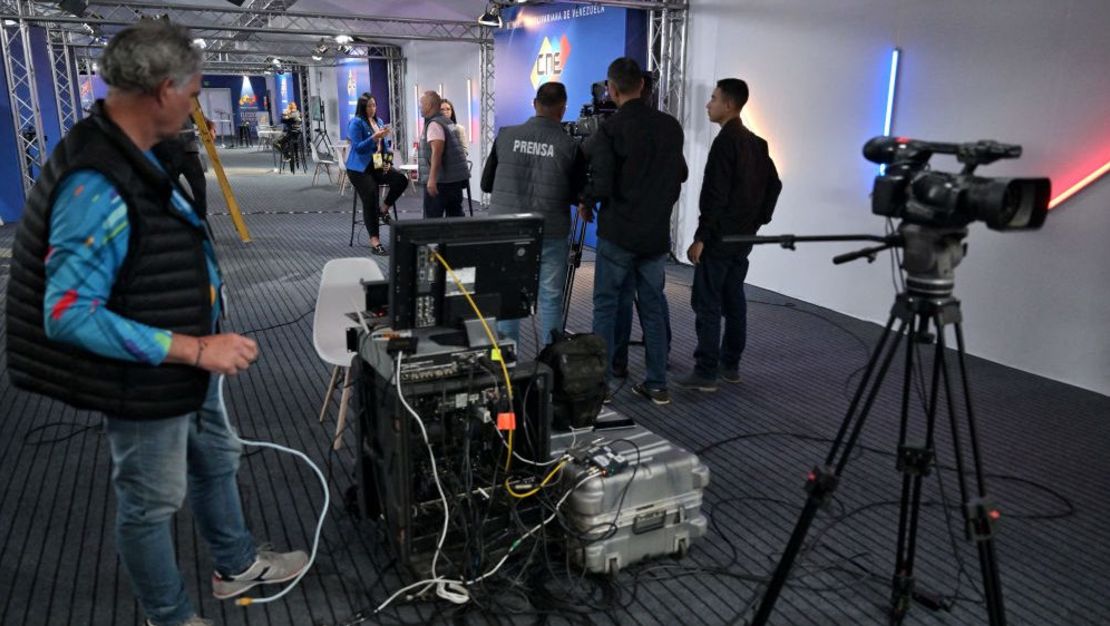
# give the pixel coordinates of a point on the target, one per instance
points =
(535, 490)
(493, 340)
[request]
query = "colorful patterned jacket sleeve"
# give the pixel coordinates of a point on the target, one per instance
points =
(89, 232)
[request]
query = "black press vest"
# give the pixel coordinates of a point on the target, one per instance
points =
(163, 283)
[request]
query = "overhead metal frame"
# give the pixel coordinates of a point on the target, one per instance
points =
(19, 68)
(395, 71)
(64, 77)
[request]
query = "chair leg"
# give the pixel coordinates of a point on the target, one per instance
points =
(331, 390)
(343, 400)
(468, 202)
(354, 216)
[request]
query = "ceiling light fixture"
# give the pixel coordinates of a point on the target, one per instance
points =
(343, 39)
(200, 43)
(322, 47)
(492, 16)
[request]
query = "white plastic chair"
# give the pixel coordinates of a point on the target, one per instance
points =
(340, 293)
(323, 161)
(342, 149)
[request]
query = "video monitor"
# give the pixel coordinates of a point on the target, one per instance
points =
(496, 258)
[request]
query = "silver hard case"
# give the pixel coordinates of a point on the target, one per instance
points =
(660, 513)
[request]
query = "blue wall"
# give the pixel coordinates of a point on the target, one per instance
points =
(379, 87)
(568, 43)
(235, 84)
(11, 191)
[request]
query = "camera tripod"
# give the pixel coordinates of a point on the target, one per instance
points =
(922, 312)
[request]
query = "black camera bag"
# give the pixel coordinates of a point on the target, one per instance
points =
(579, 393)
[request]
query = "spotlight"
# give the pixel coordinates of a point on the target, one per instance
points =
(200, 43)
(343, 39)
(317, 58)
(88, 29)
(322, 47)
(276, 61)
(11, 23)
(344, 49)
(492, 16)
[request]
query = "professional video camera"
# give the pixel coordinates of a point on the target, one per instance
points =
(600, 107)
(910, 191)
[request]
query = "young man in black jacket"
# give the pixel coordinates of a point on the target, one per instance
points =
(637, 172)
(738, 195)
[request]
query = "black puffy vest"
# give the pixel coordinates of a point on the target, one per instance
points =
(163, 283)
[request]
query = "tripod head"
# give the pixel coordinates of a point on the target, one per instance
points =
(931, 253)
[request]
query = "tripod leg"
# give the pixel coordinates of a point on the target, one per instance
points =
(574, 259)
(822, 480)
(914, 462)
(979, 513)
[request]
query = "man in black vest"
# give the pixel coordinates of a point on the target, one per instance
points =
(637, 172)
(113, 306)
(738, 195)
(442, 163)
(536, 167)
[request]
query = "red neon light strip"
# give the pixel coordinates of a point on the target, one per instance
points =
(1074, 189)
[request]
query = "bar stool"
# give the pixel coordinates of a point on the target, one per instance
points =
(382, 190)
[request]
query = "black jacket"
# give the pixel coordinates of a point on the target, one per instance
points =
(739, 190)
(636, 172)
(163, 283)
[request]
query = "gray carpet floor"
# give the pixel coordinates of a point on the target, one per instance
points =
(1043, 442)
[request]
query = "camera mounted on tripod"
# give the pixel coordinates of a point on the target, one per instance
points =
(601, 107)
(909, 190)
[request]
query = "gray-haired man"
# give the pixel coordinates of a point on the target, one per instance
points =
(113, 306)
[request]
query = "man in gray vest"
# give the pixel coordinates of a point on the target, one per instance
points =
(113, 306)
(443, 170)
(537, 168)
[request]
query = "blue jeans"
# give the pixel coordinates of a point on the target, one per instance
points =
(553, 277)
(154, 464)
(614, 265)
(719, 291)
(624, 323)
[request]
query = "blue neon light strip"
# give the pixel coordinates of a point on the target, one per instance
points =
(891, 85)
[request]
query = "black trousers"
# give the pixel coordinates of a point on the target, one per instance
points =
(396, 180)
(447, 202)
(366, 186)
(719, 292)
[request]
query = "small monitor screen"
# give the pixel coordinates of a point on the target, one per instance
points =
(497, 260)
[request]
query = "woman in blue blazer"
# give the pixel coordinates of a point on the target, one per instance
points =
(369, 136)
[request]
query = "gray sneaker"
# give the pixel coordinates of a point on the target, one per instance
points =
(658, 396)
(730, 376)
(696, 381)
(195, 620)
(269, 567)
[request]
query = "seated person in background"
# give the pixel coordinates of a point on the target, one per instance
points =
(448, 111)
(291, 124)
(368, 165)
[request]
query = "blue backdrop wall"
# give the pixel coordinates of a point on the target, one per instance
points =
(567, 43)
(11, 191)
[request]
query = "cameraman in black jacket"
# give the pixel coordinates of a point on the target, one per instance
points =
(637, 171)
(738, 195)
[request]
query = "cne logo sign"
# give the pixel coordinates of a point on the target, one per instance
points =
(550, 61)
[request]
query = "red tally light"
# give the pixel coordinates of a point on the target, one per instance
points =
(903, 140)
(812, 476)
(506, 421)
(995, 514)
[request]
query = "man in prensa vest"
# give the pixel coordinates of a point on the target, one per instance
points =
(537, 167)
(113, 306)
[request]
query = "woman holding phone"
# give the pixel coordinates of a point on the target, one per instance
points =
(368, 165)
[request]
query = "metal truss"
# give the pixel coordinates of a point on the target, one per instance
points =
(207, 21)
(66, 88)
(667, 30)
(486, 86)
(398, 117)
(19, 67)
